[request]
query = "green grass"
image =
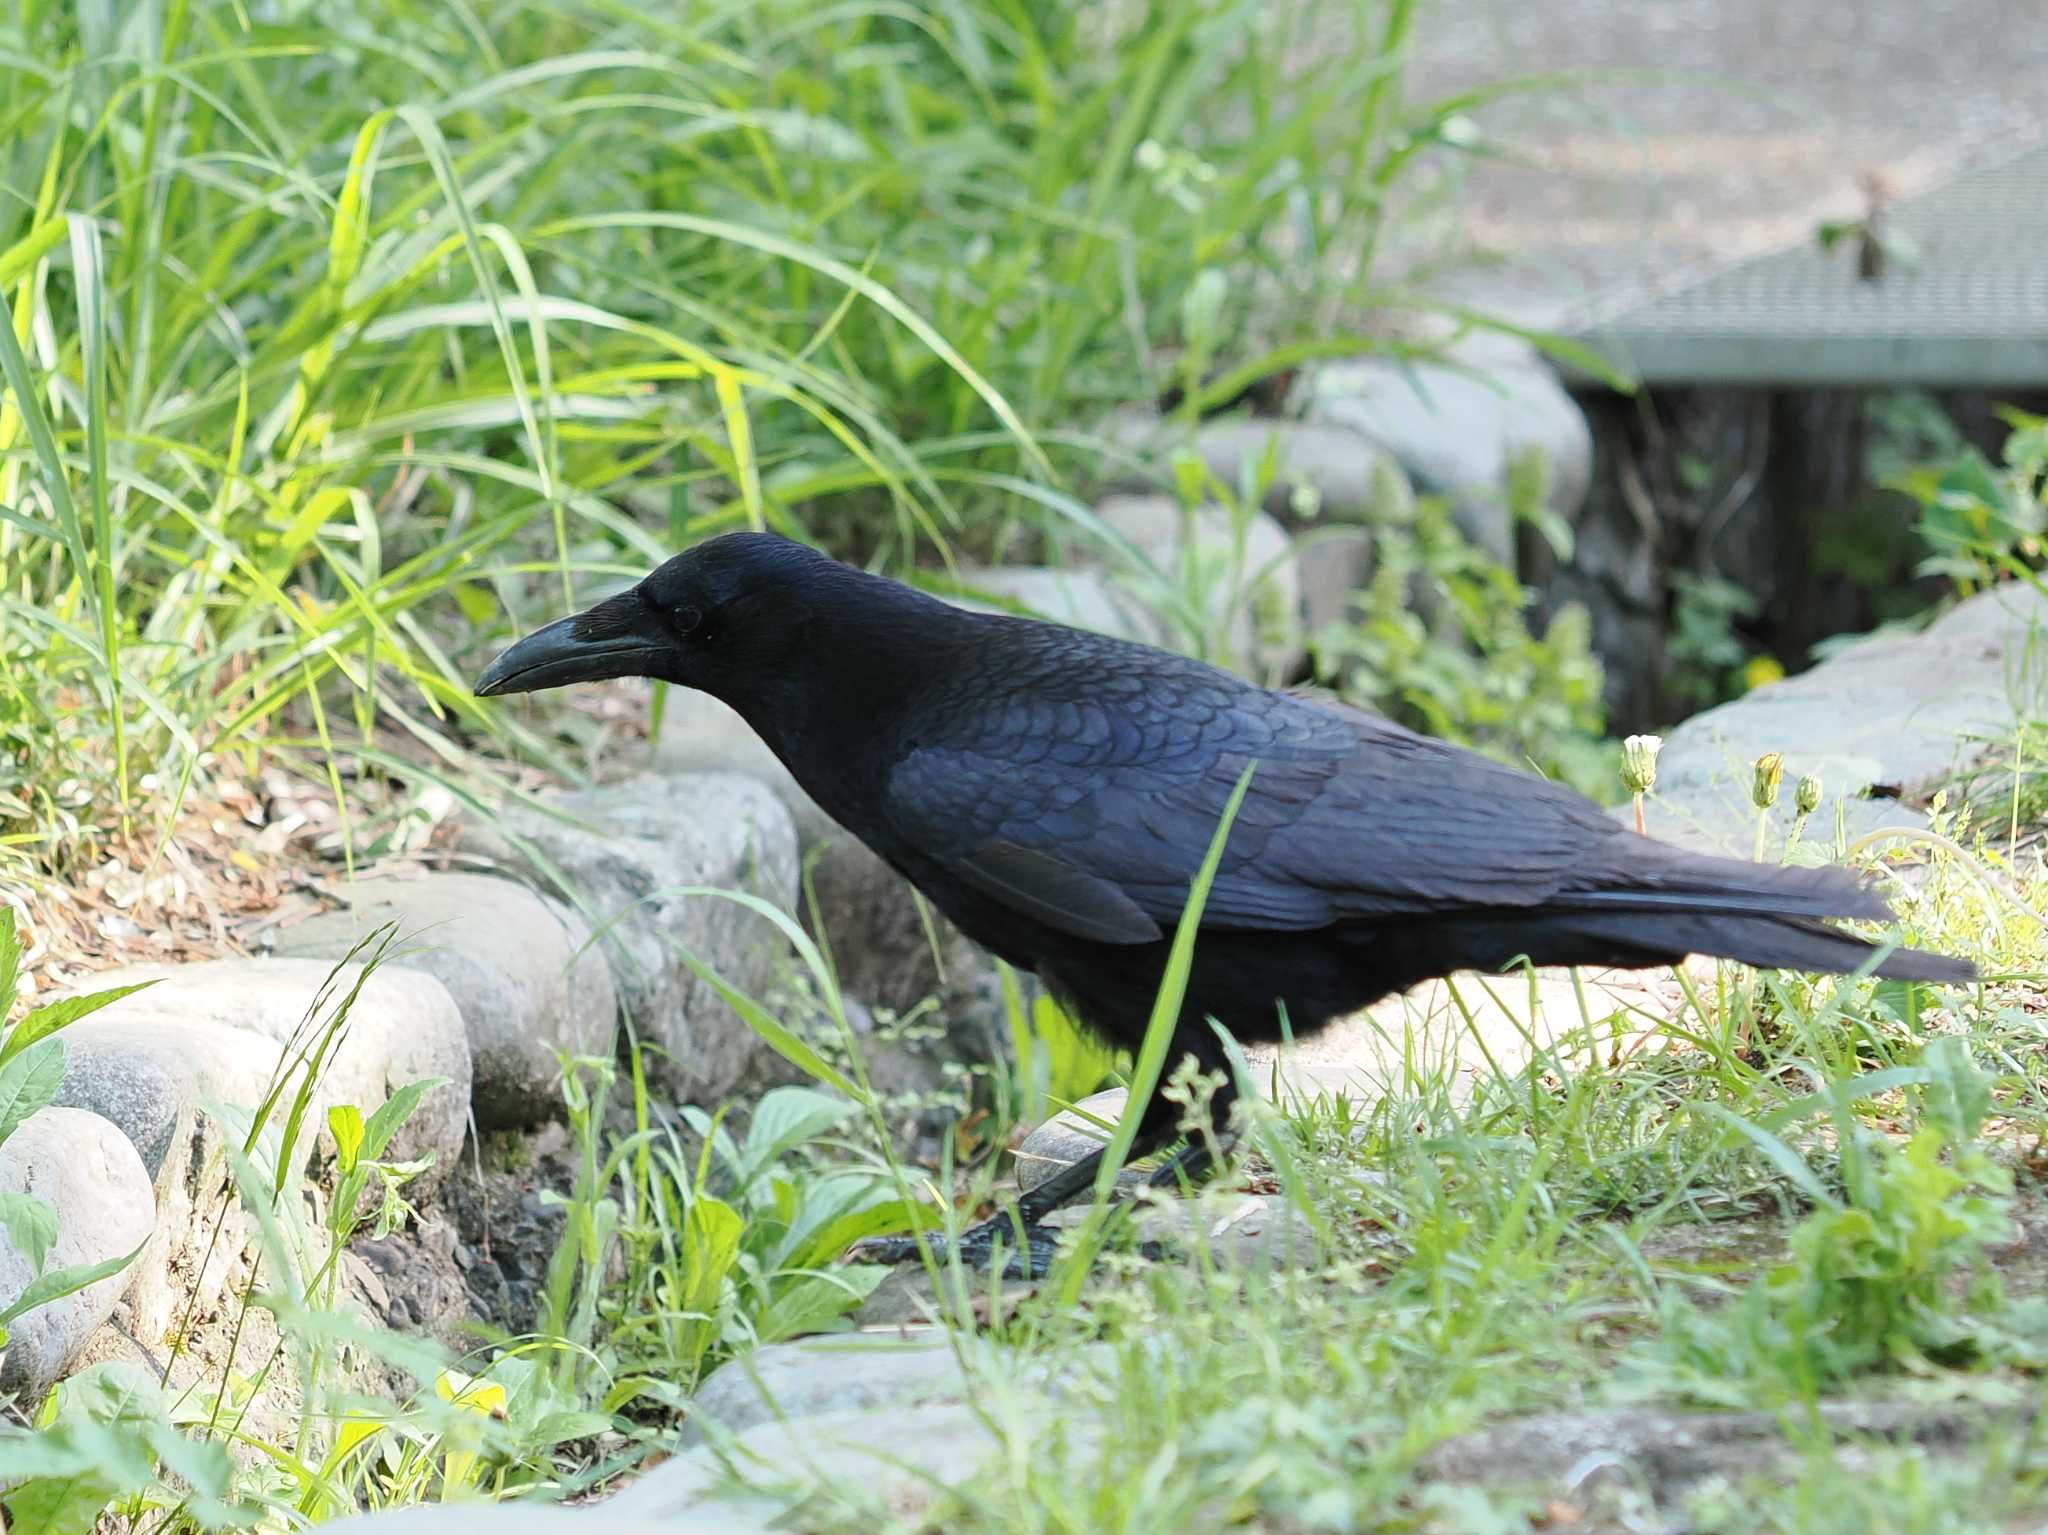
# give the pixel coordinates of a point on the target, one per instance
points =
(340, 334)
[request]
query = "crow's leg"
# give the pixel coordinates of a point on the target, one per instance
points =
(976, 1246)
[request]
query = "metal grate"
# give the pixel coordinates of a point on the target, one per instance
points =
(1969, 310)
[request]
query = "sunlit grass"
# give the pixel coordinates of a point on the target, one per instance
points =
(340, 335)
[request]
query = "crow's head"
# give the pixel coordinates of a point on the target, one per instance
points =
(731, 610)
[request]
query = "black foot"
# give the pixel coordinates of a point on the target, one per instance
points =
(976, 1249)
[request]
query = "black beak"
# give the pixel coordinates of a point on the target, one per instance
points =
(611, 640)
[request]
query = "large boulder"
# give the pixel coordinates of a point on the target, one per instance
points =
(1319, 469)
(224, 1034)
(522, 968)
(228, 1030)
(1462, 427)
(831, 1373)
(633, 857)
(1237, 576)
(85, 1170)
(1881, 722)
(902, 1461)
(1081, 597)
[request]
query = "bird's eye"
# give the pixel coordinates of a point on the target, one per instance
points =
(688, 619)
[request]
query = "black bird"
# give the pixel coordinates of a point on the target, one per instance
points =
(1053, 792)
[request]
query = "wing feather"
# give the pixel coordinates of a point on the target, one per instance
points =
(1092, 813)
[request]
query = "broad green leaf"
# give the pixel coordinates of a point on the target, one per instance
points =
(105, 1433)
(711, 1241)
(345, 1123)
(831, 1242)
(815, 1300)
(29, 1082)
(393, 1112)
(69, 1505)
(787, 1118)
(31, 1224)
(560, 1427)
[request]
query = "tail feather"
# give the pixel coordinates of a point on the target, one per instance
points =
(1767, 942)
(1662, 878)
(1767, 915)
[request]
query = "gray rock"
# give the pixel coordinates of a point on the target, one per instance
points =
(702, 734)
(1247, 598)
(1244, 1230)
(881, 947)
(1253, 1233)
(1069, 1136)
(410, 1279)
(1340, 468)
(150, 1075)
(902, 1460)
(1083, 598)
(1459, 427)
(218, 1033)
(1336, 563)
(1670, 1452)
(854, 1372)
(1889, 713)
(220, 1030)
(537, 1519)
(86, 1170)
(520, 966)
(905, 1301)
(624, 858)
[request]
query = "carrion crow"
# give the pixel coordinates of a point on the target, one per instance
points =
(1054, 792)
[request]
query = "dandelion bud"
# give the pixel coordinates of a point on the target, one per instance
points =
(1639, 763)
(1770, 774)
(1806, 795)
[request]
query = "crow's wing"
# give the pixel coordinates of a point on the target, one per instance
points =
(1091, 809)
